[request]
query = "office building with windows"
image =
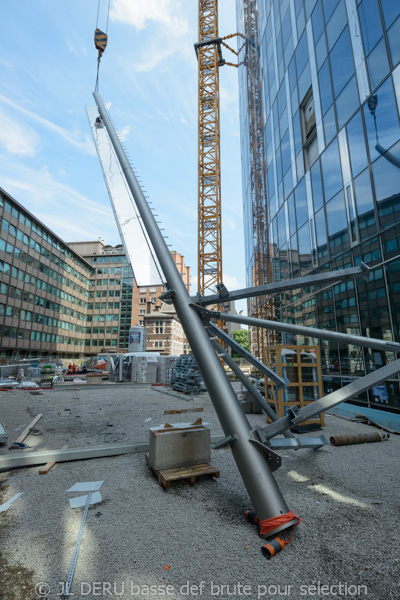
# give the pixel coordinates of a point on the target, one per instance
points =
(329, 77)
(44, 288)
(69, 300)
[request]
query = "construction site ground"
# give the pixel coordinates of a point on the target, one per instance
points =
(191, 541)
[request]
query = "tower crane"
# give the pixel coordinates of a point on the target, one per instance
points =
(261, 307)
(209, 55)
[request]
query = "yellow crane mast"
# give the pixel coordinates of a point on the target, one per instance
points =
(262, 267)
(209, 168)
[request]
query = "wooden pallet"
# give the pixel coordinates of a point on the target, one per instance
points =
(191, 473)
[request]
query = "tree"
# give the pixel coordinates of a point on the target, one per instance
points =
(241, 336)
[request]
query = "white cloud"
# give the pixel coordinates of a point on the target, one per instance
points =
(232, 282)
(139, 12)
(16, 138)
(125, 132)
(75, 139)
(171, 33)
(53, 202)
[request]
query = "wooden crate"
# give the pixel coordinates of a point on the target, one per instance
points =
(191, 473)
(302, 366)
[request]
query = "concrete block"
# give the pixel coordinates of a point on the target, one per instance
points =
(179, 448)
(255, 407)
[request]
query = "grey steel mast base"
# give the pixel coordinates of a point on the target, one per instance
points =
(251, 460)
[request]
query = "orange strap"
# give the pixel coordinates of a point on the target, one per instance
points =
(269, 525)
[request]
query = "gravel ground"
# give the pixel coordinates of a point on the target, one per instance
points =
(346, 546)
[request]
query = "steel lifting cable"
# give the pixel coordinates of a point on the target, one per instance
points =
(100, 40)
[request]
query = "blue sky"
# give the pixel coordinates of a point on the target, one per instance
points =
(149, 76)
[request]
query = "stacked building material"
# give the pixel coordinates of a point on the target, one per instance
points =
(186, 376)
(166, 365)
(144, 369)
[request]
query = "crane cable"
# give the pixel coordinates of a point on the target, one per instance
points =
(100, 40)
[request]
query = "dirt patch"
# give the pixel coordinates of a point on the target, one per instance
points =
(16, 582)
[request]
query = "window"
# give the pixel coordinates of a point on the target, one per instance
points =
(159, 326)
(158, 344)
(142, 311)
(347, 102)
(309, 130)
(357, 151)
(332, 175)
(342, 62)
(301, 205)
(370, 21)
(387, 122)
(351, 214)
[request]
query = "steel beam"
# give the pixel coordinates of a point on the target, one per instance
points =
(323, 334)
(263, 404)
(296, 415)
(263, 490)
(279, 382)
(315, 443)
(278, 287)
(31, 459)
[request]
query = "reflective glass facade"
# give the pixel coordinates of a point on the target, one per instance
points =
(330, 77)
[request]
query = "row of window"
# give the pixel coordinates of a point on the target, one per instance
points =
(26, 315)
(109, 270)
(42, 285)
(31, 243)
(107, 259)
(108, 282)
(97, 318)
(38, 336)
(25, 296)
(7, 269)
(28, 259)
(25, 220)
(100, 343)
(105, 293)
(102, 330)
(103, 305)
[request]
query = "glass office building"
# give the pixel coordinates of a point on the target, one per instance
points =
(330, 79)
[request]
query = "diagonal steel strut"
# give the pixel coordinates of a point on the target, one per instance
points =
(279, 382)
(277, 287)
(262, 488)
(335, 336)
(298, 415)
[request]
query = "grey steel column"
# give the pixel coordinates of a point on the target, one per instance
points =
(263, 490)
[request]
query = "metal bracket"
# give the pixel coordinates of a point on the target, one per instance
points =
(167, 296)
(297, 443)
(210, 42)
(224, 442)
(273, 459)
(292, 412)
(222, 291)
(204, 313)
